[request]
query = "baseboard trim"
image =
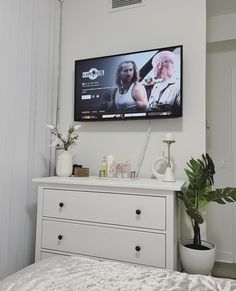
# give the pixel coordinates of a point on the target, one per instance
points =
(225, 257)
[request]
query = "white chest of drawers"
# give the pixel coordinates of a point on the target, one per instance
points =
(133, 221)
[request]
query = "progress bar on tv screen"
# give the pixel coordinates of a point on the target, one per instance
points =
(159, 113)
(135, 114)
(108, 115)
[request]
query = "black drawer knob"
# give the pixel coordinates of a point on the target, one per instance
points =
(61, 204)
(138, 248)
(60, 237)
(138, 211)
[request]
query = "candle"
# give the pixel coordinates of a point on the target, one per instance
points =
(169, 136)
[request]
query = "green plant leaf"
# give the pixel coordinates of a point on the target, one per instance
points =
(195, 215)
(208, 167)
(196, 175)
(222, 196)
(187, 201)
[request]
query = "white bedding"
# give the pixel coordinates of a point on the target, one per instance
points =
(80, 274)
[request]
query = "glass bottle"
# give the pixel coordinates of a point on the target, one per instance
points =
(104, 166)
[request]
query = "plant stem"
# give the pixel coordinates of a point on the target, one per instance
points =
(197, 236)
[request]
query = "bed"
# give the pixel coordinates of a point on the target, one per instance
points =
(75, 273)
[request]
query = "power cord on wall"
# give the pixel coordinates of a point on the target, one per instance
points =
(144, 149)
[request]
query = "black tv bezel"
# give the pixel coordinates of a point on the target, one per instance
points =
(133, 117)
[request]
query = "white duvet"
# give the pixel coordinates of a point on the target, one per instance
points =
(80, 274)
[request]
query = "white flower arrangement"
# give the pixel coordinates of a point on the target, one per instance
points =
(62, 142)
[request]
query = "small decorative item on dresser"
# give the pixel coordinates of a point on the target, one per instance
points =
(169, 174)
(79, 171)
(64, 164)
(62, 142)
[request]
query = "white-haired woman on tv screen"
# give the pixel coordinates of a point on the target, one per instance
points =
(165, 95)
(130, 95)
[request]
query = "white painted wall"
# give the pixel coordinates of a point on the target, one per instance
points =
(28, 37)
(221, 61)
(221, 27)
(89, 30)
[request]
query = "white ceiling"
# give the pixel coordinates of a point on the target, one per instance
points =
(217, 7)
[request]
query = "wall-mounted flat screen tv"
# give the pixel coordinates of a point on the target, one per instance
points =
(137, 85)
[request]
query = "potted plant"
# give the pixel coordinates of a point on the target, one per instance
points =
(198, 256)
(63, 142)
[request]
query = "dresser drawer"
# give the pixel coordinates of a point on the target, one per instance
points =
(112, 243)
(119, 209)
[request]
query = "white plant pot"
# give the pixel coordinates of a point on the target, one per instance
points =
(197, 261)
(64, 164)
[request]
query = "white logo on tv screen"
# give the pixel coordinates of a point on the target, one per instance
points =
(93, 73)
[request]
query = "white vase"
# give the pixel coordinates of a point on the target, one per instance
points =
(197, 261)
(64, 164)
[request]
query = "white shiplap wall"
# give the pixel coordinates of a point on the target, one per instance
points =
(29, 55)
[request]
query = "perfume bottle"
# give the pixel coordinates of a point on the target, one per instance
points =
(110, 166)
(126, 169)
(104, 166)
(118, 170)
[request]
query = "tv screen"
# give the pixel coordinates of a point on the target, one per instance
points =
(137, 85)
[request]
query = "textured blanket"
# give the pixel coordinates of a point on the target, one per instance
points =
(80, 274)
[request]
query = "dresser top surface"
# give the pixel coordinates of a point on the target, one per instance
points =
(146, 183)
